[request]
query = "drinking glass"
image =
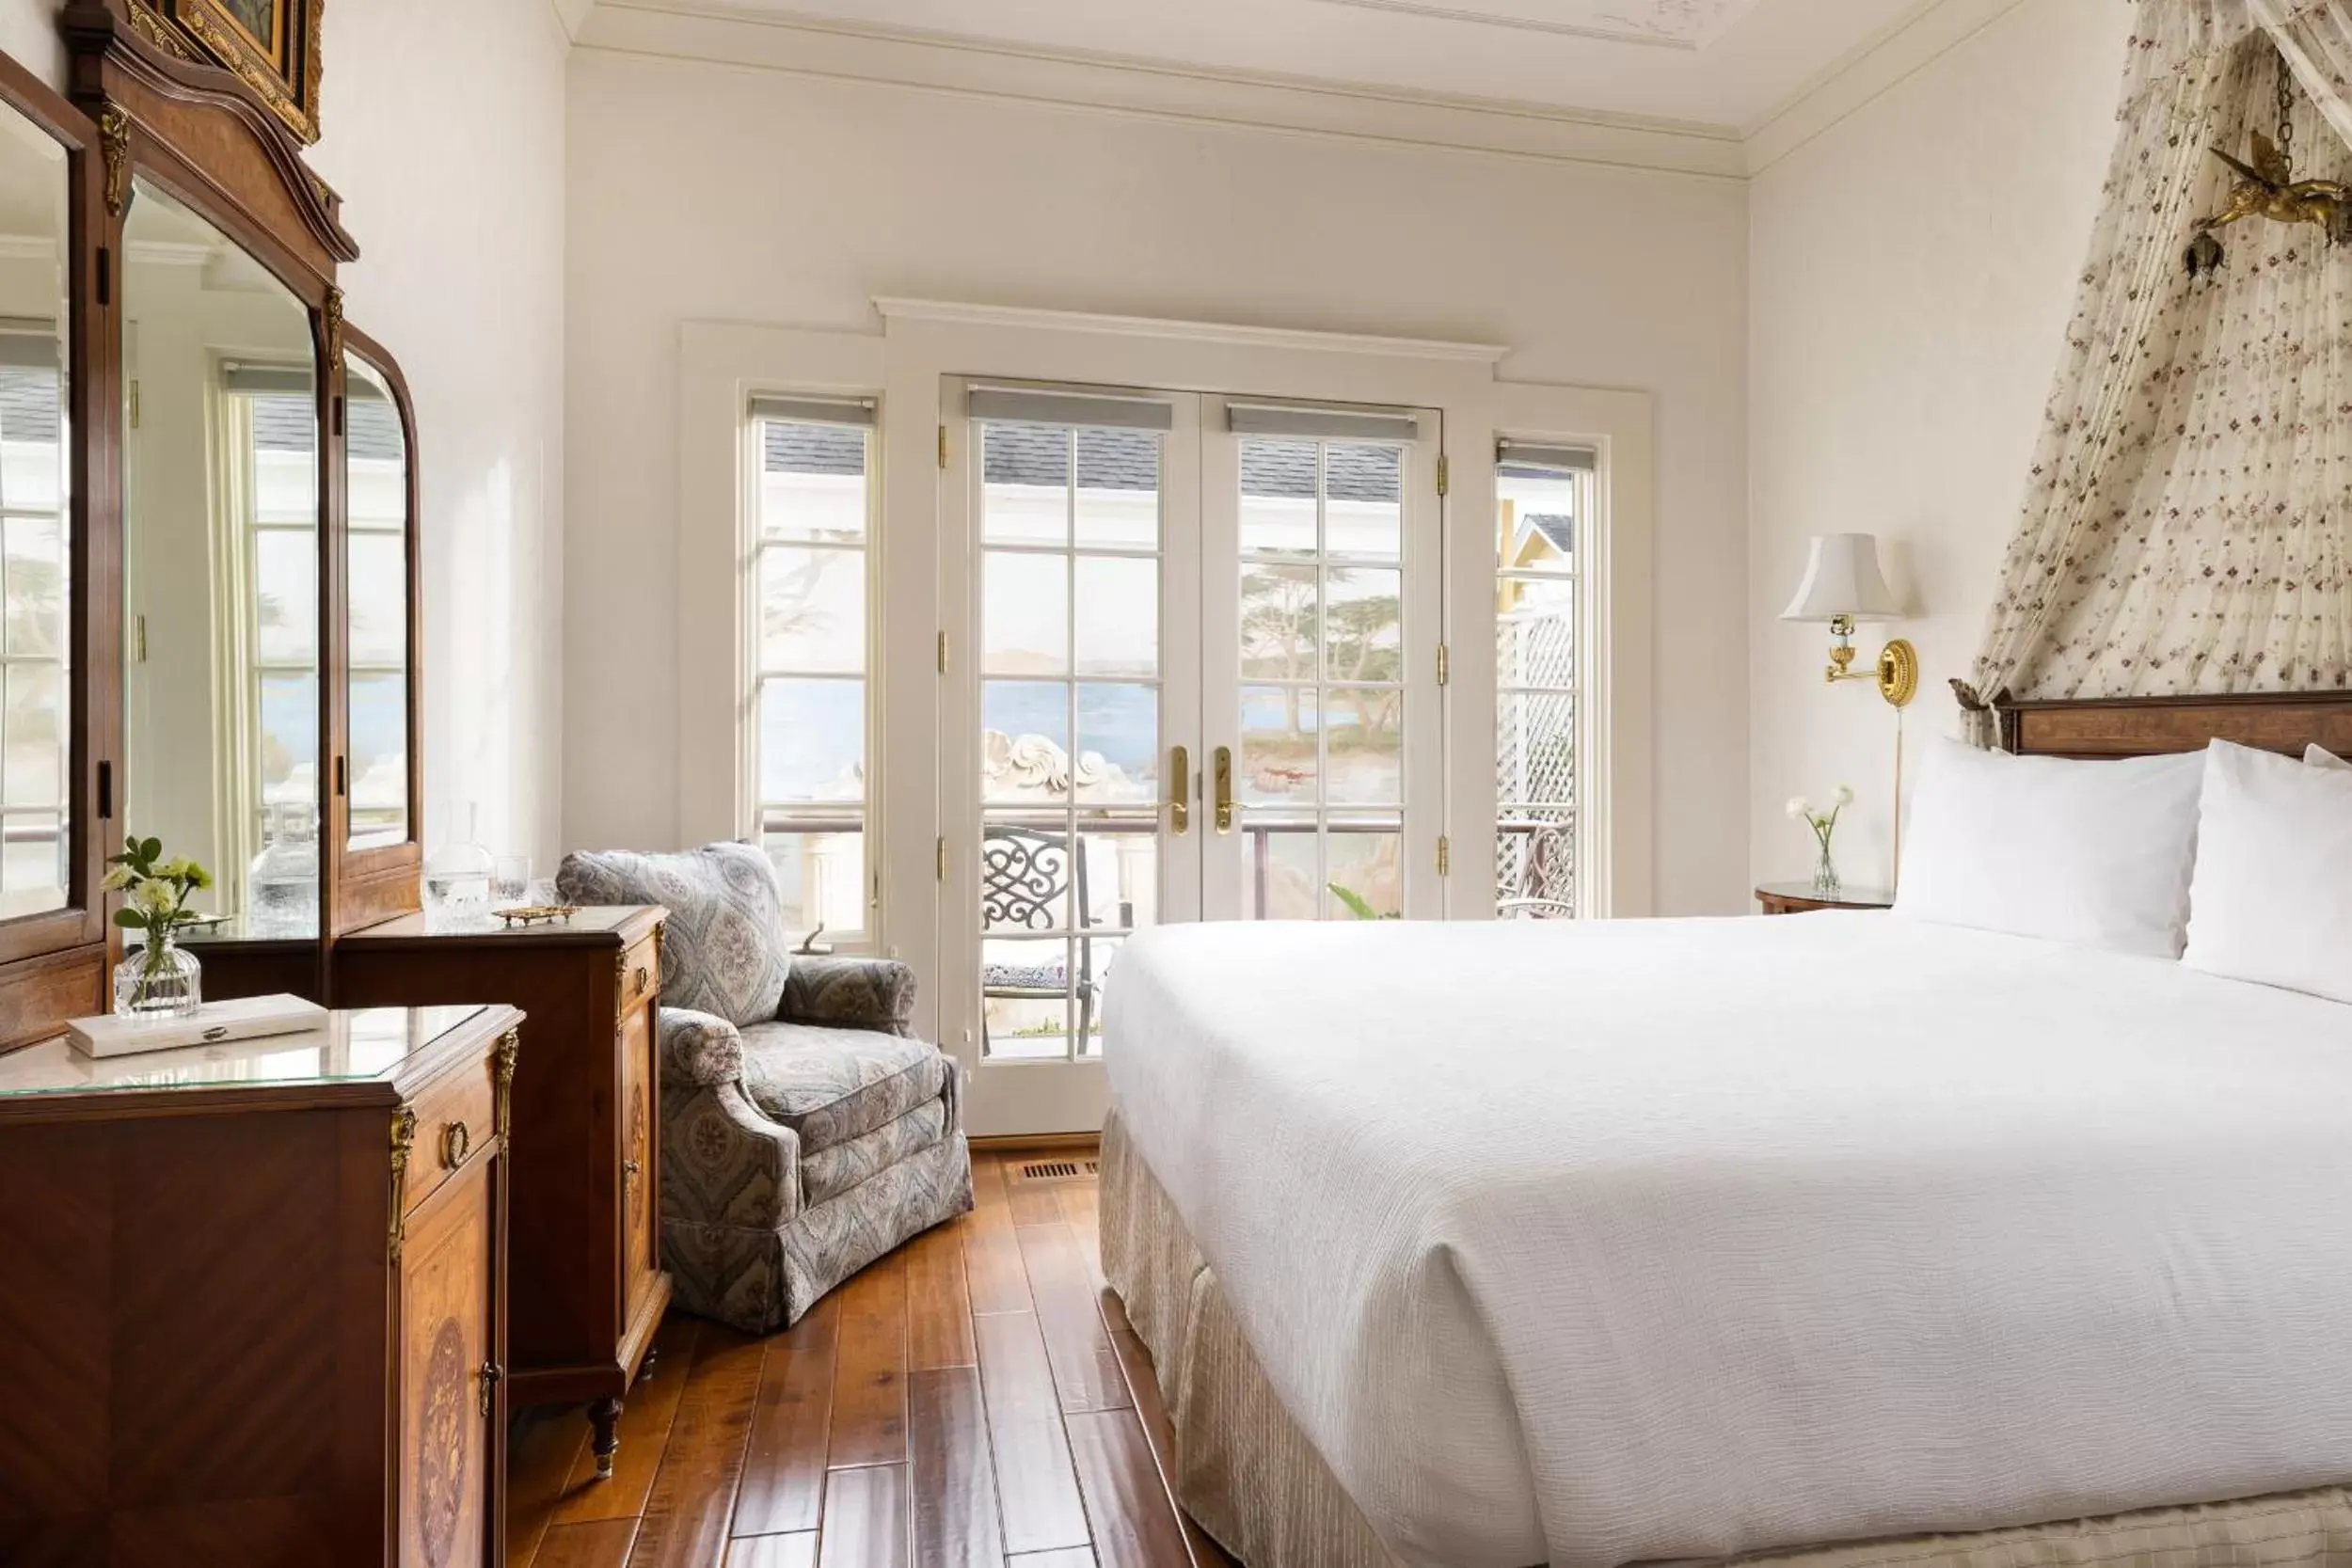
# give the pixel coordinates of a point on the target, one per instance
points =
(510, 881)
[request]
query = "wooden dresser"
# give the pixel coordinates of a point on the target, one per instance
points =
(252, 1298)
(585, 1266)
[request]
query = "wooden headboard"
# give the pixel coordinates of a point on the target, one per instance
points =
(2146, 726)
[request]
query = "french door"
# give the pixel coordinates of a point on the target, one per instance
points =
(1198, 679)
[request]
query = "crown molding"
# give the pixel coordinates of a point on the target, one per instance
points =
(721, 32)
(1932, 30)
(712, 32)
(1227, 333)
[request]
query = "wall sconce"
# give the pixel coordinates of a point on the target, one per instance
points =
(1842, 585)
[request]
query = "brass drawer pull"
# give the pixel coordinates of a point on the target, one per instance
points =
(456, 1142)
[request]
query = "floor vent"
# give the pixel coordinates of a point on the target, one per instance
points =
(1056, 1170)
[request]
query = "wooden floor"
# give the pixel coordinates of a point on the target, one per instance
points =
(976, 1398)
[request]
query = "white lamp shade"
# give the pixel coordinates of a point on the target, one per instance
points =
(1842, 577)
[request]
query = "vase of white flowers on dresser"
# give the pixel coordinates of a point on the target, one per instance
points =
(160, 978)
(1824, 826)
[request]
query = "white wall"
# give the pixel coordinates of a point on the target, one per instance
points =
(450, 161)
(444, 134)
(1911, 273)
(701, 191)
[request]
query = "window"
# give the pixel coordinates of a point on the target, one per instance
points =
(1543, 502)
(376, 478)
(812, 520)
(33, 579)
(270, 418)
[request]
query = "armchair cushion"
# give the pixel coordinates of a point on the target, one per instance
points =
(830, 1085)
(850, 993)
(724, 951)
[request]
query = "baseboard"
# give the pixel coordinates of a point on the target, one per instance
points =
(1039, 1143)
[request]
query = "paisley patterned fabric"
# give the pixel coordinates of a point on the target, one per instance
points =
(722, 952)
(2187, 519)
(725, 1163)
(830, 1085)
(698, 1049)
(829, 1172)
(760, 1279)
(850, 993)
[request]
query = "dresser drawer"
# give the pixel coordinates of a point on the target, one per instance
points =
(637, 973)
(456, 1123)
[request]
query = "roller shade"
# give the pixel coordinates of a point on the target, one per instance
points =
(1545, 458)
(267, 380)
(814, 410)
(1331, 424)
(1038, 405)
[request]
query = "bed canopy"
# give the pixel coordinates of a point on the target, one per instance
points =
(2189, 516)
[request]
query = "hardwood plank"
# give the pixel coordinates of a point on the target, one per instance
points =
(1143, 1385)
(1032, 1202)
(952, 1476)
(644, 1432)
(783, 1464)
(938, 1307)
(1081, 1211)
(1069, 1557)
(796, 1551)
(866, 1518)
(598, 1544)
(694, 1494)
(1086, 1368)
(991, 1251)
(541, 1449)
(1034, 1479)
(869, 1377)
(1134, 1527)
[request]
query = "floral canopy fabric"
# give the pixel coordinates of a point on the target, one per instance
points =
(2187, 522)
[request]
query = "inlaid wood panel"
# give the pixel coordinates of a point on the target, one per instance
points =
(985, 1468)
(2144, 726)
(446, 1340)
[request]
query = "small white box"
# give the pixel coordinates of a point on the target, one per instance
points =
(246, 1017)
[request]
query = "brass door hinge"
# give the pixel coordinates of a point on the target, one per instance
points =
(1441, 473)
(941, 853)
(1445, 664)
(138, 640)
(942, 445)
(135, 405)
(943, 653)
(1445, 855)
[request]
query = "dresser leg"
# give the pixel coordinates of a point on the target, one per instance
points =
(604, 1416)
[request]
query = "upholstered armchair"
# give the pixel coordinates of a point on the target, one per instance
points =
(805, 1131)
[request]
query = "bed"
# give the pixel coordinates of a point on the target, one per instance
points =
(1843, 1239)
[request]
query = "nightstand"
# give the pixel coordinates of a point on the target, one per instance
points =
(1800, 898)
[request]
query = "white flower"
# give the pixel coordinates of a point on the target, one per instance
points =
(152, 898)
(1798, 806)
(1845, 795)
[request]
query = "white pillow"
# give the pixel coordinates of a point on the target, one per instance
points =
(2272, 897)
(2319, 757)
(2090, 852)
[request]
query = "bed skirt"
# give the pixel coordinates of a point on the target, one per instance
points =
(1248, 1477)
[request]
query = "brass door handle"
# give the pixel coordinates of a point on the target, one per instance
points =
(1224, 771)
(456, 1140)
(491, 1373)
(641, 978)
(1178, 789)
(631, 1170)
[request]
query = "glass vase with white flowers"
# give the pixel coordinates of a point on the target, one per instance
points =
(1824, 826)
(161, 979)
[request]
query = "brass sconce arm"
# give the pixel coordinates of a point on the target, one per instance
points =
(1897, 670)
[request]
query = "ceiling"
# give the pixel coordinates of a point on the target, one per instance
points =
(1721, 63)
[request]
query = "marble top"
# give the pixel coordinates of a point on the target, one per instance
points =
(366, 1045)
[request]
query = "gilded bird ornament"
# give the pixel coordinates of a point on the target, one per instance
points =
(2266, 187)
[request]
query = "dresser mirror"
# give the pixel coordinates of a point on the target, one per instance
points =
(378, 607)
(222, 568)
(36, 700)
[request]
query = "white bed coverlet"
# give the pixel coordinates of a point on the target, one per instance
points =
(1613, 1242)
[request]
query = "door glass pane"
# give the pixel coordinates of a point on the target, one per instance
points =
(375, 625)
(1069, 532)
(1536, 520)
(1322, 658)
(812, 740)
(812, 610)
